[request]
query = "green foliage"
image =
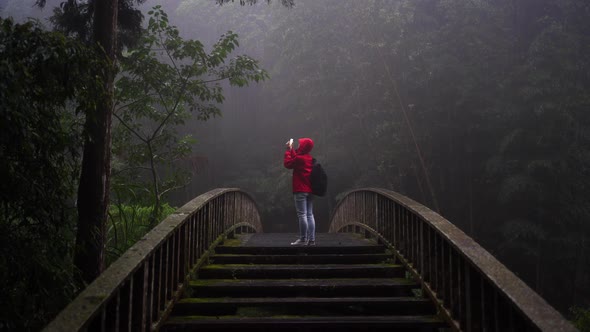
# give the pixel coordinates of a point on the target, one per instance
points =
(36, 273)
(75, 18)
(46, 81)
(164, 81)
(127, 224)
(581, 318)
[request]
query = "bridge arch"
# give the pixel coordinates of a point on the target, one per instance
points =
(137, 292)
(472, 289)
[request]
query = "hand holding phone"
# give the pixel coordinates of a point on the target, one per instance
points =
(290, 143)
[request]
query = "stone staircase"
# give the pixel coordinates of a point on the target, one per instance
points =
(260, 283)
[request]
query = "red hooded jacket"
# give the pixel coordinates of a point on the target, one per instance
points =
(300, 161)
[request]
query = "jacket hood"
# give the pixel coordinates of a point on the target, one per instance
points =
(305, 145)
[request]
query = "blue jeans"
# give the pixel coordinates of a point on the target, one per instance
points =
(304, 208)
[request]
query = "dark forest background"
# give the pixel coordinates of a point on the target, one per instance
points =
(478, 109)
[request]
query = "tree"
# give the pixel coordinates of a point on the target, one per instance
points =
(93, 190)
(76, 18)
(47, 82)
(545, 175)
(162, 83)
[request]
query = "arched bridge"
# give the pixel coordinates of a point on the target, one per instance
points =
(387, 263)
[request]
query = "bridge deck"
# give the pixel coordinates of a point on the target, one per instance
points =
(260, 281)
(285, 239)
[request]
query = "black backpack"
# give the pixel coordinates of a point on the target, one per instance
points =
(318, 178)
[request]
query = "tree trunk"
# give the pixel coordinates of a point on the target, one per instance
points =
(93, 192)
(157, 201)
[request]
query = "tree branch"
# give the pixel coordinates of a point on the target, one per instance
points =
(175, 187)
(181, 91)
(217, 80)
(130, 129)
(130, 169)
(133, 102)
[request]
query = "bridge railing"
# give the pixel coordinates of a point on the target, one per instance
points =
(472, 289)
(138, 290)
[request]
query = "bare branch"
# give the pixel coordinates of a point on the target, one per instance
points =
(131, 169)
(175, 187)
(133, 102)
(138, 135)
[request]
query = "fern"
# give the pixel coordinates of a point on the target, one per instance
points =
(581, 318)
(127, 224)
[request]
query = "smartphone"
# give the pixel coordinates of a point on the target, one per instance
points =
(291, 142)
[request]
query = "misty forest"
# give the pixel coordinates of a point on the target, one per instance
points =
(473, 108)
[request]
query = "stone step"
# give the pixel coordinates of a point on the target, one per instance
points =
(240, 271)
(302, 258)
(304, 323)
(370, 306)
(300, 250)
(302, 287)
(260, 283)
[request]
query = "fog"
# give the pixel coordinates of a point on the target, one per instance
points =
(476, 109)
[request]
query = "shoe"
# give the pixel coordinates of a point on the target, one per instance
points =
(310, 243)
(298, 242)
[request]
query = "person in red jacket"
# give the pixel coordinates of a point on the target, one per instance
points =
(300, 161)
